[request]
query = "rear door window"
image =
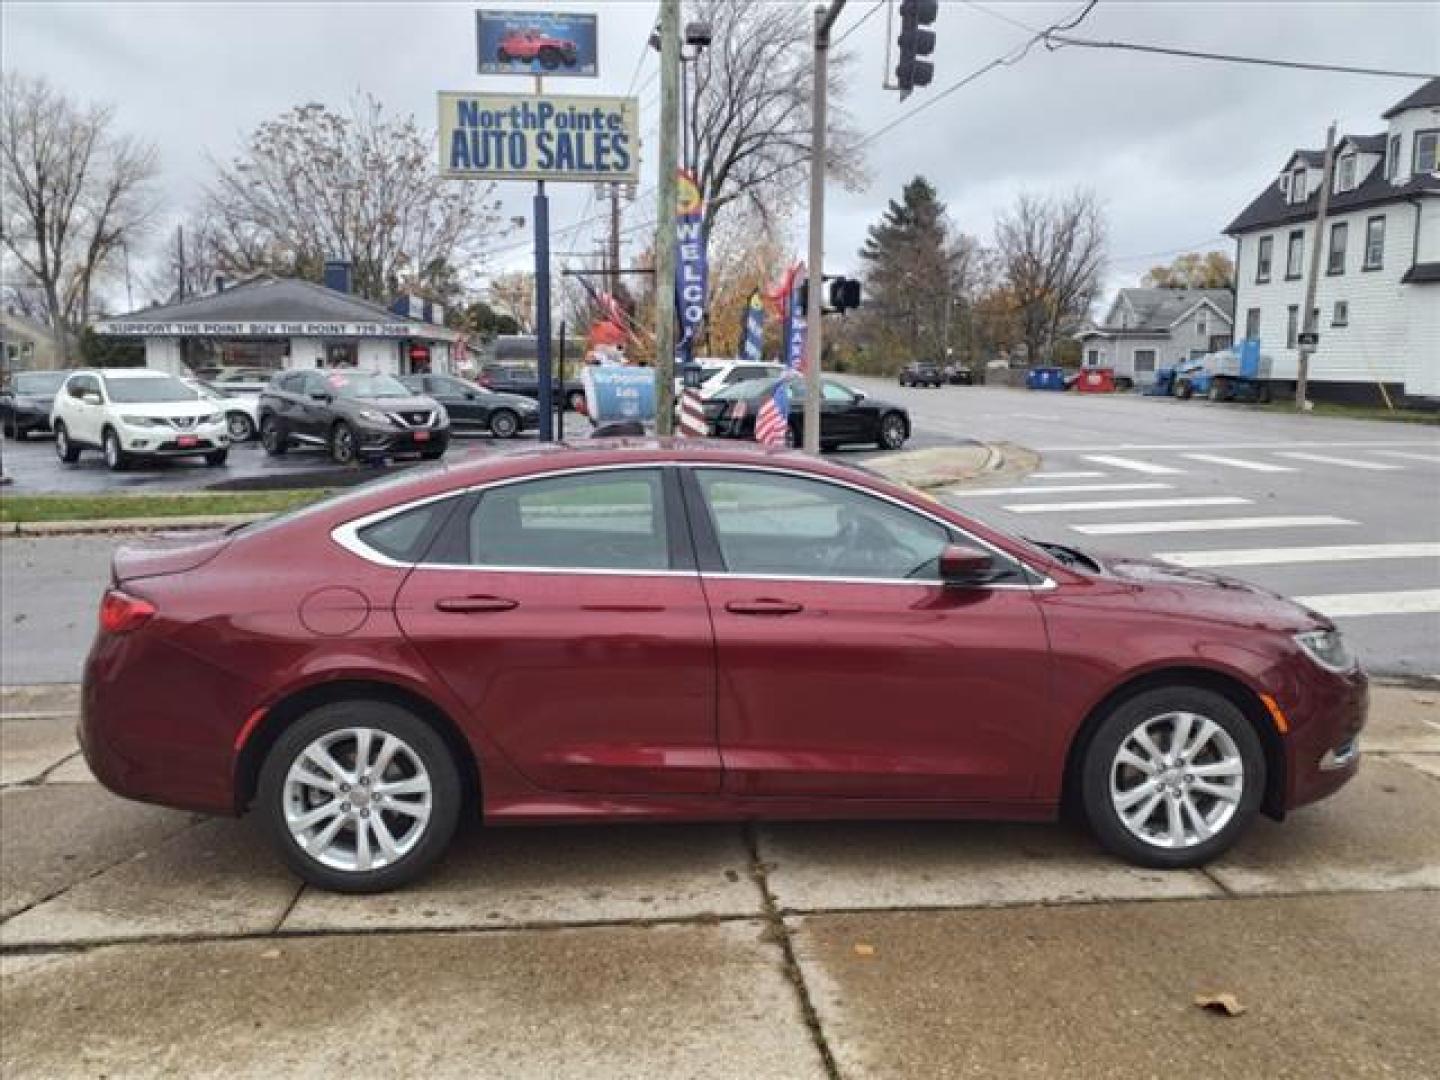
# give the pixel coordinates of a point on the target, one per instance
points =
(404, 537)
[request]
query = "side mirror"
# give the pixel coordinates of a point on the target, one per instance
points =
(860, 395)
(961, 564)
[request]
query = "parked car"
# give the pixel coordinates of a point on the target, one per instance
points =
(921, 375)
(958, 375)
(671, 632)
(738, 371)
(135, 414)
(474, 408)
(26, 401)
(353, 414)
(525, 381)
(242, 410)
(847, 416)
(244, 379)
(532, 44)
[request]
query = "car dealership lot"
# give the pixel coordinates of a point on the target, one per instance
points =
(780, 950)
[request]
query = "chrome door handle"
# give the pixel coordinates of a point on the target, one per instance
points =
(764, 607)
(464, 605)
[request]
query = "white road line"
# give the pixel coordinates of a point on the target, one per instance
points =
(1140, 528)
(1238, 463)
(1126, 504)
(1411, 602)
(1064, 475)
(1344, 463)
(1429, 459)
(1132, 464)
(1291, 555)
(1066, 489)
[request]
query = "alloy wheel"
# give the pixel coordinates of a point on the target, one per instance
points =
(892, 433)
(357, 799)
(240, 427)
(342, 444)
(1177, 780)
(503, 425)
(62, 441)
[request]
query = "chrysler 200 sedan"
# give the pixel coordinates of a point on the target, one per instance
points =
(685, 631)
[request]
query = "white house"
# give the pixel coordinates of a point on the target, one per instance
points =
(1378, 299)
(1146, 329)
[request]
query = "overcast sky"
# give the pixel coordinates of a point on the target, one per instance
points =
(1175, 148)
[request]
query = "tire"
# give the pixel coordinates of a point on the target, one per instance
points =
(1231, 745)
(272, 438)
(504, 424)
(575, 401)
(1185, 391)
(343, 448)
(422, 762)
(64, 449)
(432, 455)
(1262, 395)
(116, 460)
(1214, 393)
(241, 427)
(502, 56)
(216, 458)
(893, 432)
(549, 59)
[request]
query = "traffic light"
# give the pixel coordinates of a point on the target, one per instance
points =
(844, 294)
(916, 41)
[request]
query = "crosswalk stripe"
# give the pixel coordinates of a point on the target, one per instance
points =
(1066, 489)
(1140, 528)
(1429, 459)
(1344, 463)
(1082, 475)
(1239, 463)
(1409, 602)
(1132, 464)
(1290, 555)
(1126, 504)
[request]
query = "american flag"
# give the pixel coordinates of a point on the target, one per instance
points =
(773, 420)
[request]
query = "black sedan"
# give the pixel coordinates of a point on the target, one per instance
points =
(25, 403)
(525, 381)
(847, 416)
(473, 408)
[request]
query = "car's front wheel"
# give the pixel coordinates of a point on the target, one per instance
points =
(272, 438)
(893, 432)
(65, 450)
(360, 796)
(343, 447)
(1173, 777)
(115, 457)
(240, 426)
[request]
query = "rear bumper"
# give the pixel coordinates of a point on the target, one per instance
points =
(31, 419)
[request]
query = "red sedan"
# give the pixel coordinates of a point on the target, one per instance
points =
(687, 632)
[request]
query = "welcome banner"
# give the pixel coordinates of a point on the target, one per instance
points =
(691, 265)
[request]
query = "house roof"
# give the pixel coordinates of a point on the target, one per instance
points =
(1271, 207)
(1368, 144)
(1425, 273)
(270, 299)
(1159, 309)
(1427, 96)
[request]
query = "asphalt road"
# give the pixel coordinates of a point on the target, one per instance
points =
(1343, 514)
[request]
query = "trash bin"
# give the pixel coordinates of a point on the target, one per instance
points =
(1096, 381)
(1164, 384)
(1045, 378)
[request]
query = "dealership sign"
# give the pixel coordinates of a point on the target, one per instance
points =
(539, 137)
(536, 43)
(136, 328)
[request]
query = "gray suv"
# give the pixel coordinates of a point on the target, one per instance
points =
(353, 414)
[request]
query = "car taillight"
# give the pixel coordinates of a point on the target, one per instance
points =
(120, 613)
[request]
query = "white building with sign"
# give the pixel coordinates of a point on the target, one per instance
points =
(276, 323)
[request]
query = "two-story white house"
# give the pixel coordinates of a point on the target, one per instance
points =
(1378, 298)
(1148, 329)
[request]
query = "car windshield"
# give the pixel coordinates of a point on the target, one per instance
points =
(134, 389)
(365, 384)
(39, 382)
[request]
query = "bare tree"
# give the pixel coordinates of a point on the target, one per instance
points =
(1051, 258)
(513, 294)
(750, 108)
(313, 184)
(75, 193)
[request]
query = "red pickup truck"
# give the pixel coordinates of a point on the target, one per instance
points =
(528, 45)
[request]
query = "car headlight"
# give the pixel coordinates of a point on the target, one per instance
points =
(1328, 649)
(212, 418)
(143, 421)
(441, 416)
(374, 416)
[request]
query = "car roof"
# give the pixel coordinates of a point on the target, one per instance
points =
(126, 373)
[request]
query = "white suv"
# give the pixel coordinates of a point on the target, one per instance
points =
(130, 413)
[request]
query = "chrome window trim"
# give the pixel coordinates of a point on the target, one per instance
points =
(347, 533)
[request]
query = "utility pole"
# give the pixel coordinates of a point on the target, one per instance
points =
(1307, 314)
(665, 217)
(180, 255)
(824, 19)
(614, 263)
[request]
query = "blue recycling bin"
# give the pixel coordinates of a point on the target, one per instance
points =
(1045, 378)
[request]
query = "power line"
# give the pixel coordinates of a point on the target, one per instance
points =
(1207, 242)
(1054, 40)
(1003, 17)
(859, 23)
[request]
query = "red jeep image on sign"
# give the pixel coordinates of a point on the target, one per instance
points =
(531, 44)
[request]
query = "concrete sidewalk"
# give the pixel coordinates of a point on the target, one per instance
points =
(140, 941)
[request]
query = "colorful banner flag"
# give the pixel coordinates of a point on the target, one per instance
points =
(794, 341)
(772, 422)
(691, 266)
(752, 333)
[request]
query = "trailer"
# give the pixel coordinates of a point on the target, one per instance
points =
(1239, 373)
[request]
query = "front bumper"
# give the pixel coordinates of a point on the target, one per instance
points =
(169, 442)
(1323, 745)
(375, 440)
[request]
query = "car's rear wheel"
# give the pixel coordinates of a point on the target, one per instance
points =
(64, 449)
(893, 431)
(360, 796)
(504, 424)
(272, 438)
(1173, 777)
(343, 448)
(116, 460)
(240, 426)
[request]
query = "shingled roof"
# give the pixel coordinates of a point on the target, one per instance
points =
(271, 299)
(1272, 207)
(1428, 96)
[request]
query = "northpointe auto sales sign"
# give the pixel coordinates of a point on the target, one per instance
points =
(539, 137)
(258, 329)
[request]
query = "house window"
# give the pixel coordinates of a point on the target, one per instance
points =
(1345, 177)
(1297, 186)
(1263, 259)
(1341, 317)
(1295, 255)
(1252, 324)
(1374, 243)
(1092, 358)
(1392, 158)
(1200, 330)
(1292, 326)
(1425, 152)
(1339, 234)
(1144, 361)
